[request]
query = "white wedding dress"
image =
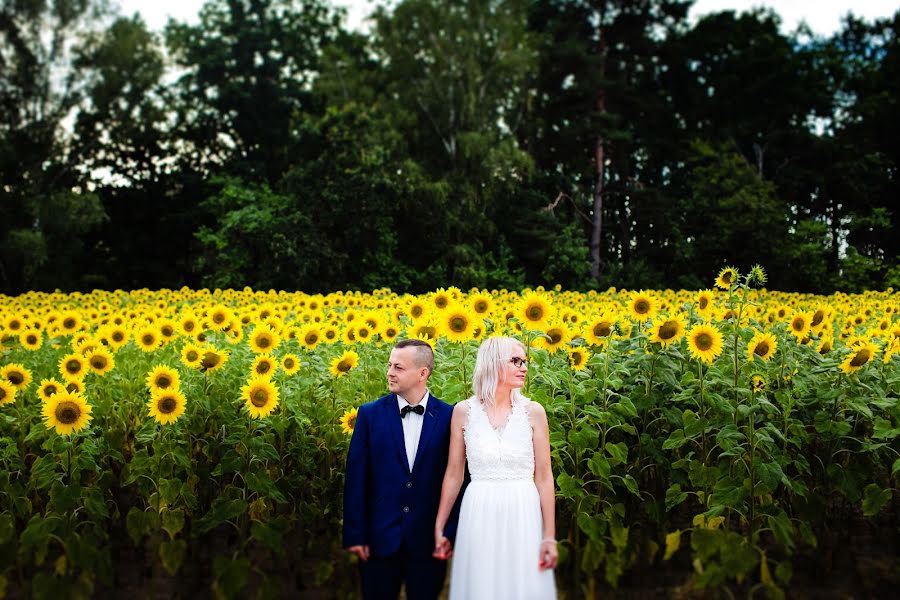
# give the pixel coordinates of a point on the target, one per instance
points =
(498, 539)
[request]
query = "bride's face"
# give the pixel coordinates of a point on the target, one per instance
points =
(513, 370)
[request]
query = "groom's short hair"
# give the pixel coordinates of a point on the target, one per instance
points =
(424, 353)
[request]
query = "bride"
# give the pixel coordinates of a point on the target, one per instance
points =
(505, 546)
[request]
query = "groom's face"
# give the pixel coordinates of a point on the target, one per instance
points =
(403, 373)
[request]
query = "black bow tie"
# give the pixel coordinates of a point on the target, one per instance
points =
(418, 409)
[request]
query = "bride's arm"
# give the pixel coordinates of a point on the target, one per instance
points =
(543, 480)
(453, 478)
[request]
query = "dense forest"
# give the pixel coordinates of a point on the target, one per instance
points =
(476, 143)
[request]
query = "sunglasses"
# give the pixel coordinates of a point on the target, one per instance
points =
(518, 362)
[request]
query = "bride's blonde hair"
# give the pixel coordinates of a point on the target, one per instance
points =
(493, 354)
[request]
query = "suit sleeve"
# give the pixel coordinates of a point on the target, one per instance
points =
(356, 526)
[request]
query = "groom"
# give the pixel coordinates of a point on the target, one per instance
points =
(395, 467)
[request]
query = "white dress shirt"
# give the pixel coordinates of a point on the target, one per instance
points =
(412, 427)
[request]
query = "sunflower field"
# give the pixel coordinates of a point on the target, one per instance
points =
(179, 442)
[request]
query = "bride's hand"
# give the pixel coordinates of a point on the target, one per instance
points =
(549, 555)
(443, 549)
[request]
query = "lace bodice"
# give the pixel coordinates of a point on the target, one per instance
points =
(505, 454)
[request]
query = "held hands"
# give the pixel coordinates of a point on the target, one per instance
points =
(443, 549)
(362, 552)
(549, 555)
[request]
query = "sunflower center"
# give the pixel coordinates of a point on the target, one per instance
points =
(311, 338)
(458, 324)
(331, 334)
(441, 301)
(481, 306)
(289, 363)
(69, 323)
(344, 366)
(210, 360)
(32, 339)
(147, 339)
(192, 355)
(704, 302)
(3, 394)
(15, 377)
(163, 381)
(362, 333)
(50, 389)
(263, 368)
(98, 362)
(67, 412)
(263, 341)
(761, 349)
(726, 276)
(577, 358)
(555, 336)
(817, 317)
(668, 330)
(167, 405)
(642, 307)
(167, 330)
(218, 318)
(534, 313)
(861, 358)
(188, 326)
(798, 324)
(415, 312)
(117, 336)
(259, 398)
(15, 325)
(602, 329)
(704, 341)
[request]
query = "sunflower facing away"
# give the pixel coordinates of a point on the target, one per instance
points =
(762, 345)
(66, 412)
(260, 397)
(166, 405)
(704, 342)
(348, 420)
(344, 363)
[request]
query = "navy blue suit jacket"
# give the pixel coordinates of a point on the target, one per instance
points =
(385, 503)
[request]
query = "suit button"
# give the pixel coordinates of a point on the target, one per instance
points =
(405, 509)
(409, 484)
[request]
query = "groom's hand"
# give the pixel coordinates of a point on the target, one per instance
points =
(362, 552)
(443, 549)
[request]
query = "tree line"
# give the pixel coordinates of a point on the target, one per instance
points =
(488, 143)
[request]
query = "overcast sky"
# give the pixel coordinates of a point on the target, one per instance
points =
(823, 16)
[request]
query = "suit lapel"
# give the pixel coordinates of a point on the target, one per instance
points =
(392, 414)
(427, 427)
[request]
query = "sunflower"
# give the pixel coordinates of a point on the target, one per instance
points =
(17, 375)
(456, 323)
(166, 405)
(578, 358)
(66, 412)
(220, 316)
(101, 361)
(263, 339)
(481, 304)
(389, 332)
(7, 392)
(825, 345)
(642, 306)
(14, 323)
(310, 336)
(799, 325)
(330, 334)
(188, 324)
(416, 309)
(75, 386)
(762, 345)
(290, 364)
(191, 355)
(348, 420)
(344, 363)
(49, 387)
(362, 333)
(441, 299)
(706, 303)
(147, 338)
(890, 349)
(704, 342)
(556, 335)
(667, 330)
(116, 336)
(727, 277)
(70, 322)
(600, 330)
(758, 384)
(861, 353)
(263, 366)
(535, 311)
(31, 339)
(162, 378)
(212, 360)
(261, 397)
